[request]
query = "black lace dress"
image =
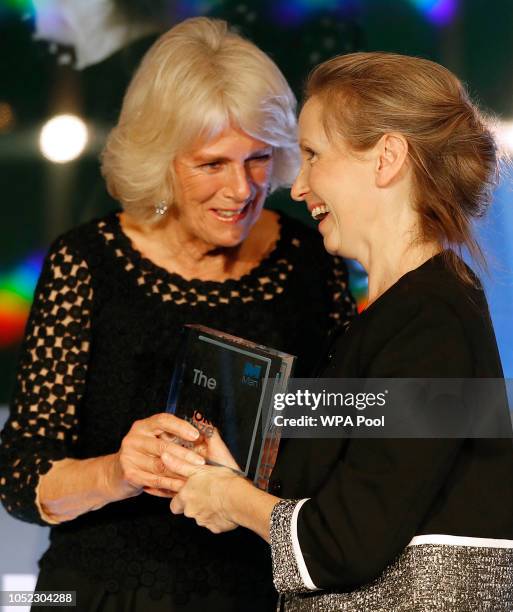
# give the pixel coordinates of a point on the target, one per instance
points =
(98, 355)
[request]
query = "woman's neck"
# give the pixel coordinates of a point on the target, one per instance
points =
(387, 265)
(173, 249)
(393, 244)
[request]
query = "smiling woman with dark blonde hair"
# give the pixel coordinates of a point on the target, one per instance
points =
(397, 162)
(206, 132)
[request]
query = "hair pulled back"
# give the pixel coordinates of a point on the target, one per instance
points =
(453, 153)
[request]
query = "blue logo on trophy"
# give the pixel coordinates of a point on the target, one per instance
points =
(251, 374)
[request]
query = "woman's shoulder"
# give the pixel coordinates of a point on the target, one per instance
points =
(429, 316)
(83, 238)
(434, 287)
(438, 283)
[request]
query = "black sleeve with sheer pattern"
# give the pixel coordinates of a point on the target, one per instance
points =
(43, 422)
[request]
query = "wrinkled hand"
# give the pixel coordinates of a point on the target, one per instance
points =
(203, 497)
(138, 463)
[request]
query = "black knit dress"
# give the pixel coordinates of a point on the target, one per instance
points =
(98, 354)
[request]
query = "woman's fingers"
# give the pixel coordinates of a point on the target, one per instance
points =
(148, 445)
(140, 456)
(149, 480)
(177, 505)
(181, 456)
(219, 452)
(155, 466)
(156, 447)
(175, 426)
(198, 500)
(138, 462)
(184, 454)
(164, 492)
(178, 466)
(169, 423)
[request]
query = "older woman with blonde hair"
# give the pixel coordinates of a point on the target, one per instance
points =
(397, 162)
(206, 131)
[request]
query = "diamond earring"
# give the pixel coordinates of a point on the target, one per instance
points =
(161, 208)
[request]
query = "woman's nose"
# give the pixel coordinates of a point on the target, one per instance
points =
(300, 188)
(240, 186)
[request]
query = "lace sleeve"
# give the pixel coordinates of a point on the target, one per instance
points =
(344, 305)
(43, 422)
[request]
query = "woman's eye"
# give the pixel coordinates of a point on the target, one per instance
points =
(310, 155)
(261, 158)
(215, 165)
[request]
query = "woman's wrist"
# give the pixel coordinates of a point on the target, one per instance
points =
(112, 484)
(75, 486)
(249, 506)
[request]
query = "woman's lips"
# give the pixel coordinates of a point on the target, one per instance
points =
(227, 215)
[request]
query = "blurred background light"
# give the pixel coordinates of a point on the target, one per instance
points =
(63, 138)
(359, 284)
(6, 117)
(503, 131)
(295, 12)
(16, 290)
(17, 9)
(441, 12)
(19, 5)
(190, 8)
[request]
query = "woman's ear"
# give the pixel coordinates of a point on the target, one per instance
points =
(391, 160)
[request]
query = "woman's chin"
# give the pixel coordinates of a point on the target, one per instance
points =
(228, 240)
(229, 234)
(331, 245)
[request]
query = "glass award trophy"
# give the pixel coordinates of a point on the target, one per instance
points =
(225, 382)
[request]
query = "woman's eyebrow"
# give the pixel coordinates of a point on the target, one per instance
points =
(304, 145)
(263, 151)
(209, 157)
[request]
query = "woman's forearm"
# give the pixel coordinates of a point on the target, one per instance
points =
(75, 486)
(250, 507)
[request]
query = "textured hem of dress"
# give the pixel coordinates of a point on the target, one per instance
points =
(450, 540)
(425, 578)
